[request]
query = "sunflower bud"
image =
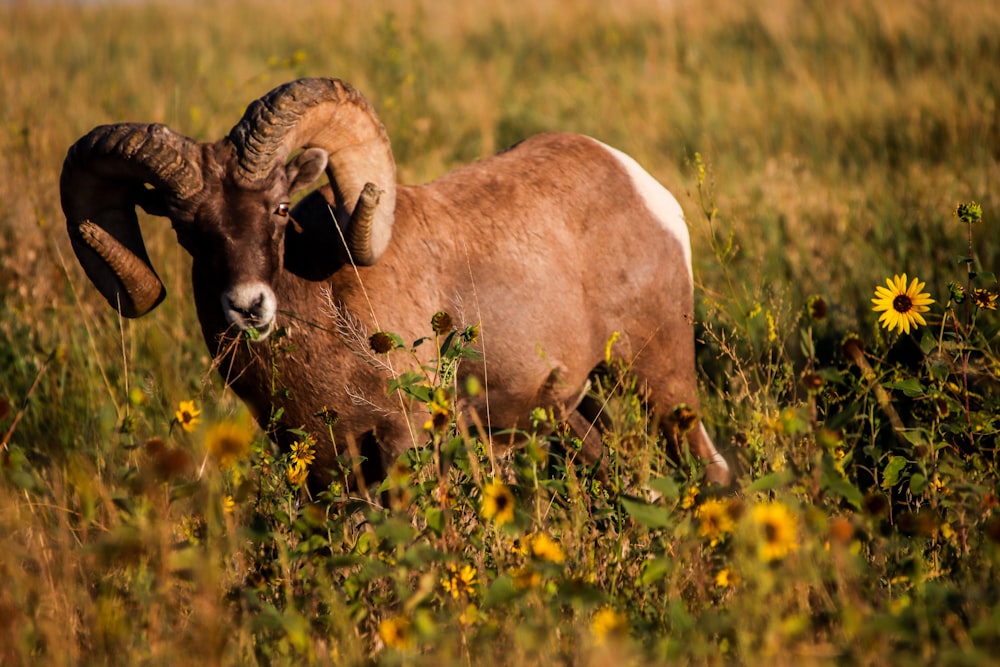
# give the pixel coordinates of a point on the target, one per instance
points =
(811, 382)
(441, 323)
(853, 348)
(956, 292)
(816, 307)
(970, 212)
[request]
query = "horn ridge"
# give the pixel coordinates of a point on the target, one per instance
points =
(260, 136)
(332, 115)
(162, 156)
(97, 191)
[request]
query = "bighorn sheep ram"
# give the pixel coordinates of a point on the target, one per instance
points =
(551, 246)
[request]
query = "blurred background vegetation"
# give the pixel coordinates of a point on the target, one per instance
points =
(817, 149)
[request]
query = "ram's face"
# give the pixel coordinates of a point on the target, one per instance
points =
(236, 238)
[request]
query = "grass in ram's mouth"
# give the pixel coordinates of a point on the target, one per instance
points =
(818, 150)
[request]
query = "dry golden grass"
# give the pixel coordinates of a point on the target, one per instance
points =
(838, 138)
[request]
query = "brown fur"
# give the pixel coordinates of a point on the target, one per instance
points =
(565, 255)
(548, 246)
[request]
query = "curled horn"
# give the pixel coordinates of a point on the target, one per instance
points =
(104, 177)
(327, 114)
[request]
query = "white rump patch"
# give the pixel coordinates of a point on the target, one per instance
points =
(659, 201)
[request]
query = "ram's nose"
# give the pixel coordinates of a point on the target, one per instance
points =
(250, 306)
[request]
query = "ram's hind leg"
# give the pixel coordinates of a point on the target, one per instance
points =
(668, 384)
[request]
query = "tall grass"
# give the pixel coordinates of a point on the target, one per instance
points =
(817, 149)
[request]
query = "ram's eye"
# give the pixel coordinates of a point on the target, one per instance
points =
(282, 210)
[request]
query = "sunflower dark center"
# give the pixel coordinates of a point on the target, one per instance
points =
(902, 304)
(771, 532)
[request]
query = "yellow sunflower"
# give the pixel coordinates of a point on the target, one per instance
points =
(779, 533)
(498, 503)
(726, 578)
(187, 416)
(396, 632)
(227, 442)
(607, 623)
(303, 453)
(460, 581)
(297, 473)
(984, 298)
(545, 548)
(901, 305)
(714, 520)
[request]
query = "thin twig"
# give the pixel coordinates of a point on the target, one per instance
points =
(24, 404)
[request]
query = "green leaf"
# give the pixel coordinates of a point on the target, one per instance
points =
(395, 531)
(313, 543)
(918, 483)
(838, 486)
(915, 436)
(775, 480)
(435, 519)
(651, 516)
(501, 591)
(890, 476)
(654, 570)
(910, 387)
(806, 343)
(666, 487)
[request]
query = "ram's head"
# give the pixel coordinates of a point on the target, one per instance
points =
(229, 201)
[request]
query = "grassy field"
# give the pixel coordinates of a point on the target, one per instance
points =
(817, 148)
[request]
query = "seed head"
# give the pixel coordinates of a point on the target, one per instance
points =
(380, 342)
(441, 323)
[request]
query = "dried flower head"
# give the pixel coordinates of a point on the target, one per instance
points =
(811, 382)
(381, 342)
(816, 307)
(441, 323)
(876, 504)
(853, 347)
(328, 415)
(168, 462)
(841, 530)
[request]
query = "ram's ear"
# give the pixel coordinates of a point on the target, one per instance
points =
(305, 169)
